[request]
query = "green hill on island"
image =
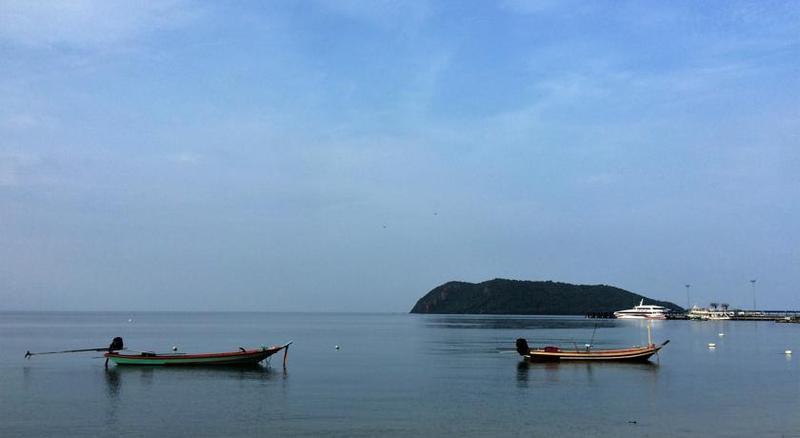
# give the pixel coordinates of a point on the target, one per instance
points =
(515, 297)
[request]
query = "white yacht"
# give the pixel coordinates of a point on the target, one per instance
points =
(643, 311)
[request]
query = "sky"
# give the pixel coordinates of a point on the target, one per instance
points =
(352, 155)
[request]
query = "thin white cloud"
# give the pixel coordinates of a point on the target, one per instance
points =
(26, 121)
(20, 121)
(187, 158)
(8, 174)
(389, 14)
(14, 166)
(545, 6)
(622, 86)
(598, 179)
(86, 23)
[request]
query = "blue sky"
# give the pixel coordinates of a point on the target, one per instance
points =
(351, 155)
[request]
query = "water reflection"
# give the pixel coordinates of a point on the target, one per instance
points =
(147, 375)
(113, 386)
(492, 322)
(522, 374)
(551, 372)
(26, 377)
(113, 383)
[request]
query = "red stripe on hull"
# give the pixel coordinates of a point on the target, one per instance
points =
(627, 355)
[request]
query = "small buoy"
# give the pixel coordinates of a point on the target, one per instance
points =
(712, 345)
(174, 348)
(130, 319)
(336, 347)
(721, 334)
(787, 352)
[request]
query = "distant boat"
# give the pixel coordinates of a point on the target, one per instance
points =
(713, 314)
(550, 353)
(789, 320)
(243, 357)
(643, 311)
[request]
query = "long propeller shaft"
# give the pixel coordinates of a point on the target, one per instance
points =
(116, 344)
(28, 354)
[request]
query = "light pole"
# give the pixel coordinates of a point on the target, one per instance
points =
(688, 300)
(753, 284)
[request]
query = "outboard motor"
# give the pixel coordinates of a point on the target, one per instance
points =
(116, 344)
(522, 347)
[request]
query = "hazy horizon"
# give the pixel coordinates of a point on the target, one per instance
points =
(352, 155)
(133, 311)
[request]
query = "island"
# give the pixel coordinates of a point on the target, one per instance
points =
(517, 297)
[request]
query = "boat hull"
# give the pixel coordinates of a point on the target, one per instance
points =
(632, 356)
(619, 315)
(233, 358)
(550, 354)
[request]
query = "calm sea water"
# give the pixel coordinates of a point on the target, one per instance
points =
(396, 375)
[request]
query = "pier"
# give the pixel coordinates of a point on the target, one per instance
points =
(764, 315)
(602, 315)
(728, 315)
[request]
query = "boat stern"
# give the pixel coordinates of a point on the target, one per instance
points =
(522, 347)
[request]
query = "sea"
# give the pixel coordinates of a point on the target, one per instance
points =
(396, 375)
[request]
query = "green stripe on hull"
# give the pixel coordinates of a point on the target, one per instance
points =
(241, 360)
(125, 361)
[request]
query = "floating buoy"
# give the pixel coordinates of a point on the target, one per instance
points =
(130, 319)
(787, 352)
(336, 347)
(174, 348)
(712, 345)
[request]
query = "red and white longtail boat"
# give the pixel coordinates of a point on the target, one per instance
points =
(550, 353)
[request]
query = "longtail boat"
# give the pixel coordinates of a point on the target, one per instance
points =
(243, 357)
(550, 353)
(117, 353)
